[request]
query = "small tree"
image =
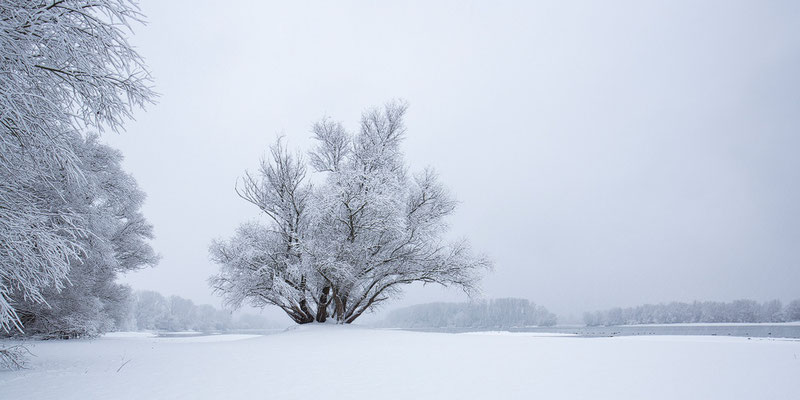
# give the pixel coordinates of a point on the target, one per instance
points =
(339, 248)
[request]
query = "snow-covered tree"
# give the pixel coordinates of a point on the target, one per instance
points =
(150, 310)
(342, 246)
(771, 311)
(108, 203)
(182, 314)
(66, 67)
(792, 311)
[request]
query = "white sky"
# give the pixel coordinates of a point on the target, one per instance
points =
(604, 153)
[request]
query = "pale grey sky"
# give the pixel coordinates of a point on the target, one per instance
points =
(604, 153)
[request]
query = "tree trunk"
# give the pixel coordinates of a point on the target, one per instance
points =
(339, 305)
(305, 315)
(322, 308)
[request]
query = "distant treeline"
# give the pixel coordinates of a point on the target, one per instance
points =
(77, 315)
(152, 311)
(748, 311)
(497, 313)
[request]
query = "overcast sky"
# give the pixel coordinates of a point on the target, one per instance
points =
(604, 153)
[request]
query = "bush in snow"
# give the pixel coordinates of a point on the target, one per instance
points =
(13, 357)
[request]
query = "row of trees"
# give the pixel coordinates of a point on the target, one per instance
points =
(78, 311)
(496, 313)
(70, 217)
(152, 311)
(698, 311)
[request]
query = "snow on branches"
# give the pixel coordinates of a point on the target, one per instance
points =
(339, 248)
(109, 205)
(65, 67)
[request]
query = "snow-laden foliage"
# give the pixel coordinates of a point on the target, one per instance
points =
(65, 67)
(495, 313)
(699, 311)
(342, 246)
(108, 204)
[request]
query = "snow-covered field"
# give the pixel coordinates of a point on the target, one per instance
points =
(357, 363)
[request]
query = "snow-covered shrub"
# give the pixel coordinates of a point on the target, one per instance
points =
(13, 357)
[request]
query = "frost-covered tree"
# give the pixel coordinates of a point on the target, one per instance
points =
(150, 310)
(108, 203)
(792, 311)
(66, 67)
(344, 245)
(208, 319)
(771, 311)
(182, 314)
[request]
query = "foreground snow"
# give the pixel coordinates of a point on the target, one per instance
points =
(357, 363)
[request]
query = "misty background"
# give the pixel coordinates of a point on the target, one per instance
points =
(603, 155)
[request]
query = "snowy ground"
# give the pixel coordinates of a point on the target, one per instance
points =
(359, 363)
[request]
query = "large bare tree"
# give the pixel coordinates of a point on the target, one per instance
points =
(338, 248)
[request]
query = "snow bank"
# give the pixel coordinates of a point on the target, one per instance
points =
(358, 363)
